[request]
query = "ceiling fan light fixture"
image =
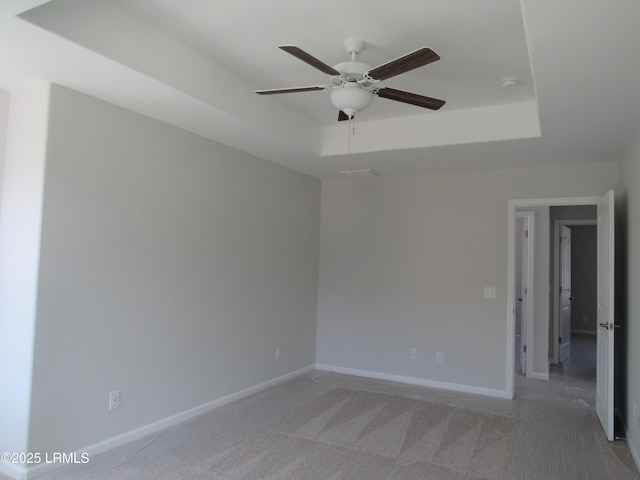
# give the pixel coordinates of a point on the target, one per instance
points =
(353, 84)
(351, 98)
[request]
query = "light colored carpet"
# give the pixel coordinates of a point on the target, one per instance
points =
(337, 427)
(352, 434)
(333, 427)
(344, 434)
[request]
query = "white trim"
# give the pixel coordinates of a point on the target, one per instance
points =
(631, 444)
(456, 387)
(511, 306)
(552, 202)
(512, 206)
(12, 471)
(634, 454)
(96, 448)
(529, 314)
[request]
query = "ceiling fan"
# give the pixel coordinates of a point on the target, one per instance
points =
(353, 84)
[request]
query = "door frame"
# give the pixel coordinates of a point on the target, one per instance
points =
(512, 207)
(527, 267)
(557, 225)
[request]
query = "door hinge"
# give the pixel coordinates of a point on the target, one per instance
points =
(526, 290)
(524, 348)
(560, 340)
(526, 234)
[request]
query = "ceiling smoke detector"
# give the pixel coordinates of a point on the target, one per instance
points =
(509, 82)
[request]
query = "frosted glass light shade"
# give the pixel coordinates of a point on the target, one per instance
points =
(351, 98)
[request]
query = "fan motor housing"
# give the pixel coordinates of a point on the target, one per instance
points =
(352, 72)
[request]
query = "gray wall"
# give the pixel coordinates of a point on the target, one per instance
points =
(584, 275)
(630, 315)
(404, 261)
(171, 268)
(574, 212)
(4, 117)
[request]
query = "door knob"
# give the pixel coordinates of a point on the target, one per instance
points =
(609, 326)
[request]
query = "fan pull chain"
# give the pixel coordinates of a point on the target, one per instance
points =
(351, 131)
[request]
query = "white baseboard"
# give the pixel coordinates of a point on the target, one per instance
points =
(634, 454)
(631, 445)
(491, 392)
(12, 471)
(96, 448)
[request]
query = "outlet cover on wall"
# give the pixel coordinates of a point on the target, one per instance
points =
(412, 353)
(489, 292)
(114, 400)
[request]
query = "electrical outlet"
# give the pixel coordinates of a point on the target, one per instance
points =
(412, 353)
(489, 292)
(114, 400)
(277, 353)
(439, 357)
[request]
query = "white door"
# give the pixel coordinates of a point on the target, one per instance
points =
(565, 293)
(606, 330)
(522, 285)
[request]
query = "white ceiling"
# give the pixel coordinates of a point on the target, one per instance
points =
(195, 64)
(243, 36)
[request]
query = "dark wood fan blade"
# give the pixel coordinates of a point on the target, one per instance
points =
(274, 91)
(310, 59)
(342, 116)
(413, 60)
(411, 98)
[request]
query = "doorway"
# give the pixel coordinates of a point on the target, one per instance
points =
(538, 339)
(575, 296)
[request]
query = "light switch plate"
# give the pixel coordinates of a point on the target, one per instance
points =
(489, 292)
